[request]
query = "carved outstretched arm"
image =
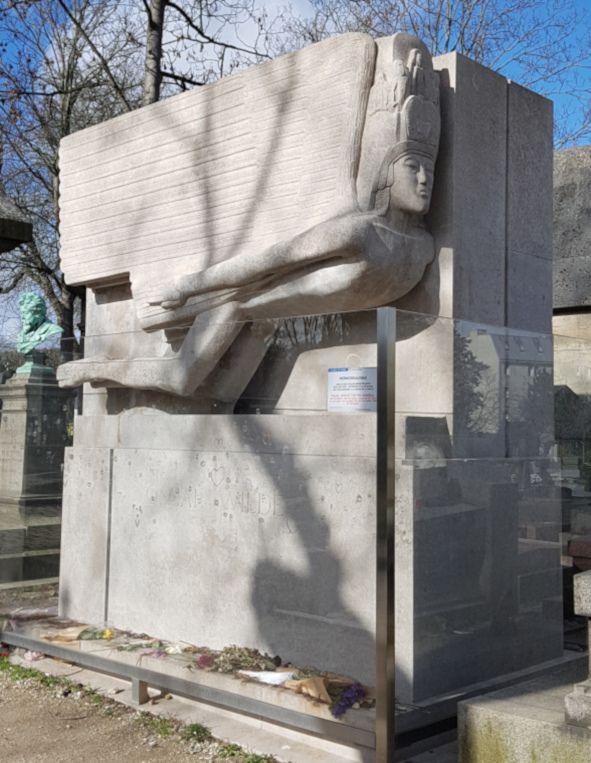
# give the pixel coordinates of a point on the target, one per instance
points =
(340, 237)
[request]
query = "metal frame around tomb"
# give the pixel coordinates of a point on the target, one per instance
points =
(385, 507)
(141, 678)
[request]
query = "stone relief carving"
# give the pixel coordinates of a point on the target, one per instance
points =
(364, 256)
(35, 328)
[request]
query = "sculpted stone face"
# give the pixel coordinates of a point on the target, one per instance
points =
(413, 183)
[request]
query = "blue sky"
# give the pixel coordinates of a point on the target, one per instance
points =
(581, 79)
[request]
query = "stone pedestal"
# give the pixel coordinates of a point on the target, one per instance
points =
(545, 720)
(577, 704)
(217, 530)
(33, 433)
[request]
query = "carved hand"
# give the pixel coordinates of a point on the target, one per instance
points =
(173, 297)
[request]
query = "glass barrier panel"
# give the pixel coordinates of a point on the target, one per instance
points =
(478, 526)
(572, 396)
(36, 425)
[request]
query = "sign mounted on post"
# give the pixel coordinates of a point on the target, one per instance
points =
(352, 390)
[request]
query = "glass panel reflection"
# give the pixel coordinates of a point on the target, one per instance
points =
(479, 501)
(36, 424)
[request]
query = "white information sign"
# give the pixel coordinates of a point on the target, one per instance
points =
(352, 389)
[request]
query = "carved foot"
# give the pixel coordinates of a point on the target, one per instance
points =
(161, 374)
(78, 372)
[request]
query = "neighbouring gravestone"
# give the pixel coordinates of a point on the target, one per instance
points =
(15, 229)
(572, 267)
(546, 719)
(33, 434)
(300, 186)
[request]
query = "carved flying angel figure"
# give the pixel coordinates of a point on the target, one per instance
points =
(370, 251)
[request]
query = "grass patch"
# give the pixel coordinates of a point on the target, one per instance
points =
(21, 673)
(236, 753)
(93, 696)
(195, 732)
(158, 724)
(230, 751)
(39, 678)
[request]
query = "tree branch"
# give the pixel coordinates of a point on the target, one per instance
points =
(181, 78)
(207, 38)
(97, 53)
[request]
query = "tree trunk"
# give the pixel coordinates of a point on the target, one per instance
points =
(69, 345)
(153, 68)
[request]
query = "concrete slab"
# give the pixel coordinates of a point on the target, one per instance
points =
(524, 723)
(447, 753)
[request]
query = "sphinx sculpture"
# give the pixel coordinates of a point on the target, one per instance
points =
(368, 251)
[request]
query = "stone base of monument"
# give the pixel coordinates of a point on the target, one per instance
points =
(260, 531)
(33, 433)
(217, 530)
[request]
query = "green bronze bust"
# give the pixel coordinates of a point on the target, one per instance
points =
(35, 328)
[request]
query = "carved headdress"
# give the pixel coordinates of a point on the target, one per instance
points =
(402, 112)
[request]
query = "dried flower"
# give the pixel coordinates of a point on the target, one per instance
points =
(204, 661)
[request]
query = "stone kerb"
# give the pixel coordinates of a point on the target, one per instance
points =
(577, 704)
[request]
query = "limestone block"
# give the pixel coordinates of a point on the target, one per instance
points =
(524, 722)
(468, 207)
(84, 570)
(255, 530)
(301, 579)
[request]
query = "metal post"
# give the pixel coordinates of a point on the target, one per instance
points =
(385, 494)
(139, 692)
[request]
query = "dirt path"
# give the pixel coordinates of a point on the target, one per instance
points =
(66, 723)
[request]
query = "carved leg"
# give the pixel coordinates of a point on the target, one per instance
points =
(208, 339)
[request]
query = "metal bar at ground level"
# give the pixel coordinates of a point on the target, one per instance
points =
(385, 495)
(265, 711)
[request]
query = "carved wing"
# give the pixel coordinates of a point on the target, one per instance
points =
(243, 163)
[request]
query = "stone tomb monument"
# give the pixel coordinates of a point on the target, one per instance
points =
(302, 186)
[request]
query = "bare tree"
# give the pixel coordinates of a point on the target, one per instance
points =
(52, 82)
(190, 43)
(68, 65)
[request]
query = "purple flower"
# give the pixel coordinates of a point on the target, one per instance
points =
(346, 699)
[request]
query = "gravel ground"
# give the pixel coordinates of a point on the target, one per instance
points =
(64, 722)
